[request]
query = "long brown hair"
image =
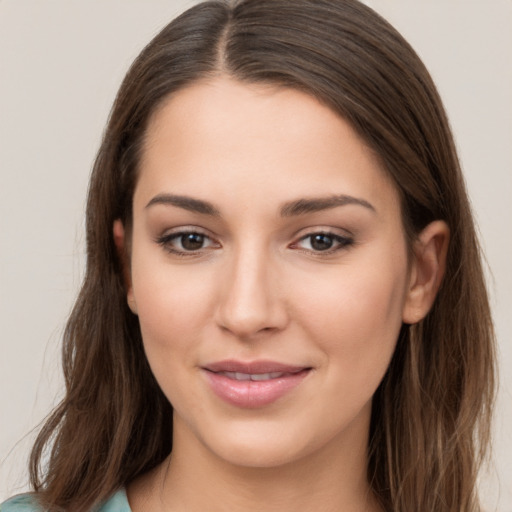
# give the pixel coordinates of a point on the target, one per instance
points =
(431, 414)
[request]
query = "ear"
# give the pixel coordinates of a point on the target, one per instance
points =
(427, 271)
(122, 252)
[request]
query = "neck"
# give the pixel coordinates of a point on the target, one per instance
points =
(195, 479)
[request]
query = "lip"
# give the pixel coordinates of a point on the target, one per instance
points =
(252, 394)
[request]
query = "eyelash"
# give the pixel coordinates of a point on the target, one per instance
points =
(166, 242)
(340, 242)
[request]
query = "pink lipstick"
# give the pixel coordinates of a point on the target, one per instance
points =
(253, 384)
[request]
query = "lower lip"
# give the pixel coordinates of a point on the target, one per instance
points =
(251, 394)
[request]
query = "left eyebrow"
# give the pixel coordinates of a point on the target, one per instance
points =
(316, 204)
(187, 203)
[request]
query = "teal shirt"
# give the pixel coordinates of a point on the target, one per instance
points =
(118, 502)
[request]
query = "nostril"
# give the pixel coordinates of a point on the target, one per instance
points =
(249, 302)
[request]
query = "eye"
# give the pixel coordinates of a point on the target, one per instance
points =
(186, 242)
(323, 242)
(191, 241)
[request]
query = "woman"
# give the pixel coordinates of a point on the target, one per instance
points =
(280, 246)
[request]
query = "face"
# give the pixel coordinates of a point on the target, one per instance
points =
(269, 271)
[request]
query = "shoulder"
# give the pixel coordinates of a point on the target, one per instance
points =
(118, 502)
(21, 503)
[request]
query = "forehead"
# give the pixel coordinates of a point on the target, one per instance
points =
(223, 137)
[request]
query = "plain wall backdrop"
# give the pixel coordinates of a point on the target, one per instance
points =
(61, 62)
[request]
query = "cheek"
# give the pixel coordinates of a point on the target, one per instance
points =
(161, 318)
(171, 313)
(356, 315)
(172, 305)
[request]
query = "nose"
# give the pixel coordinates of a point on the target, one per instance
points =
(251, 301)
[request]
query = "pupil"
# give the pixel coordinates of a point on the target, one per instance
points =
(321, 242)
(192, 241)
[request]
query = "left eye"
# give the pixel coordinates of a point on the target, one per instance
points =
(184, 242)
(323, 242)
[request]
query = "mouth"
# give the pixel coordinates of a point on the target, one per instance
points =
(257, 377)
(253, 384)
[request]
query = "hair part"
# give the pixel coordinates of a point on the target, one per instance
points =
(431, 414)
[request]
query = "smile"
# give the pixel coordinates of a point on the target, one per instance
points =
(253, 385)
(252, 376)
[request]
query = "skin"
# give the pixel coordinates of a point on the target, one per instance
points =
(258, 288)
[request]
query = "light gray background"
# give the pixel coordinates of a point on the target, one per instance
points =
(61, 62)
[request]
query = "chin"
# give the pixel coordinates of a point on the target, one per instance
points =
(270, 454)
(267, 444)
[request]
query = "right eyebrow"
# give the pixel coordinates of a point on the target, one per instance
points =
(185, 202)
(316, 204)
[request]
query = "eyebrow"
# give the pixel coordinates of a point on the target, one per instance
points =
(185, 202)
(316, 204)
(289, 209)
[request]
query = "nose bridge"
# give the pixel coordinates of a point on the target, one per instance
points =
(249, 301)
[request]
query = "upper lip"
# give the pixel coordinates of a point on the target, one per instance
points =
(252, 367)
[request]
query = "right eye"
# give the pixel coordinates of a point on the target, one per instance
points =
(323, 243)
(186, 242)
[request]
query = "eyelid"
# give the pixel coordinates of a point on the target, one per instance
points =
(325, 229)
(165, 240)
(187, 228)
(343, 241)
